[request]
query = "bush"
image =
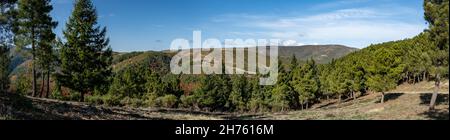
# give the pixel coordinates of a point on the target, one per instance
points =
(150, 100)
(169, 101)
(23, 84)
(257, 105)
(111, 100)
(187, 101)
(56, 94)
(132, 102)
(94, 99)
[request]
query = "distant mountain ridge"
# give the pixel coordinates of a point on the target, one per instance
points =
(320, 53)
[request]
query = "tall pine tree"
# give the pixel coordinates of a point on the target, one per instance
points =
(34, 27)
(436, 14)
(306, 82)
(7, 8)
(86, 56)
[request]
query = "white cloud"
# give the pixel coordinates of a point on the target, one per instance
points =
(357, 27)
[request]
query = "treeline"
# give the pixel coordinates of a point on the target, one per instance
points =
(82, 65)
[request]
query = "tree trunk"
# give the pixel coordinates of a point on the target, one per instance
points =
(82, 97)
(354, 96)
(423, 78)
(41, 93)
(382, 97)
(339, 99)
(407, 77)
(33, 63)
(436, 90)
(48, 84)
(307, 105)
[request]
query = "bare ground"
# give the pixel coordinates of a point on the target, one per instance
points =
(408, 102)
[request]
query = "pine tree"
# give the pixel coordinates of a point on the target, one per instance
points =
(306, 82)
(283, 97)
(86, 56)
(7, 9)
(385, 71)
(256, 99)
(292, 66)
(238, 96)
(436, 14)
(34, 26)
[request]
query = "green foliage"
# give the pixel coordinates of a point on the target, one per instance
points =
(436, 13)
(213, 93)
(121, 57)
(239, 94)
(5, 61)
(141, 79)
(23, 84)
(34, 26)
(167, 101)
(306, 82)
(188, 101)
(385, 70)
(256, 102)
(283, 97)
(130, 82)
(94, 99)
(7, 10)
(86, 56)
(133, 102)
(280, 99)
(111, 100)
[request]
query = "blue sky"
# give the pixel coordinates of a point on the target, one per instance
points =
(140, 25)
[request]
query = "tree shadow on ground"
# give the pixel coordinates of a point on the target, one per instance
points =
(191, 112)
(245, 117)
(437, 114)
(442, 99)
(18, 107)
(391, 96)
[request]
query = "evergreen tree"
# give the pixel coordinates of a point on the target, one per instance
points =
(7, 8)
(283, 97)
(256, 101)
(130, 82)
(306, 82)
(292, 66)
(385, 71)
(86, 56)
(238, 96)
(34, 26)
(214, 92)
(436, 14)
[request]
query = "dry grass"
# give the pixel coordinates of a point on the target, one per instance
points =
(398, 106)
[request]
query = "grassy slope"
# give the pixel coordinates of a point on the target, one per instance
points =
(398, 106)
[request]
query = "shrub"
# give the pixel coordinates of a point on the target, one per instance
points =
(94, 99)
(132, 102)
(150, 100)
(168, 101)
(23, 84)
(257, 105)
(187, 101)
(111, 100)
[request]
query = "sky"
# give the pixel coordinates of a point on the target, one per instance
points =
(142, 25)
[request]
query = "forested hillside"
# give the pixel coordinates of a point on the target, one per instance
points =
(84, 68)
